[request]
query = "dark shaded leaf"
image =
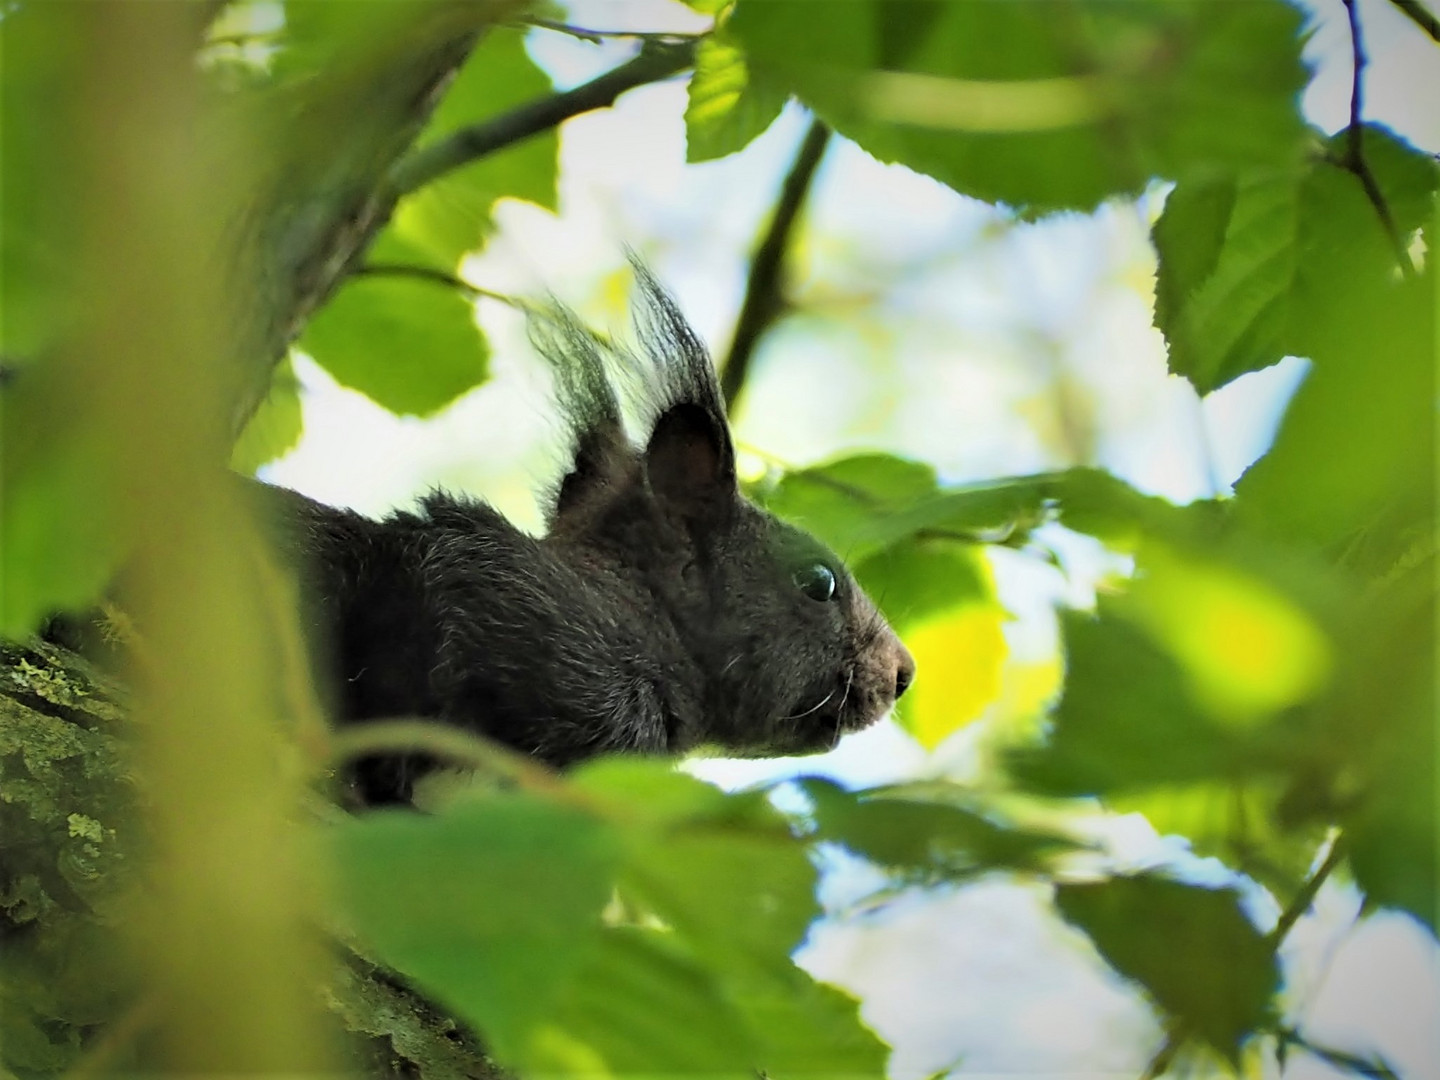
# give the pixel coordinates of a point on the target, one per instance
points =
(1191, 948)
(922, 838)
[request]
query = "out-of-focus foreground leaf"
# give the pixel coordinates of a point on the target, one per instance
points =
(686, 967)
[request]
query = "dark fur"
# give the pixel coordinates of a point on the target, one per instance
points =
(659, 613)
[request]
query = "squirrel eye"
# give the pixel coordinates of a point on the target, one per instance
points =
(817, 582)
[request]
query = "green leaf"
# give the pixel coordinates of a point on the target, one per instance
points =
(492, 907)
(1385, 731)
(1191, 948)
(642, 1007)
(863, 504)
(727, 108)
(1250, 265)
(907, 829)
(1352, 467)
(410, 345)
(452, 215)
(276, 426)
(64, 528)
(1042, 105)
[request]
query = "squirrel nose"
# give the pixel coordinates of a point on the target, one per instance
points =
(904, 670)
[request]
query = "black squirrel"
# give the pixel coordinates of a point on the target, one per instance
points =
(661, 611)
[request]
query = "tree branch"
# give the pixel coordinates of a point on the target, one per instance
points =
(1354, 159)
(1420, 16)
(1299, 904)
(657, 60)
(765, 293)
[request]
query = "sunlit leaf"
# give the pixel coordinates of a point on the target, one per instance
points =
(276, 426)
(1249, 265)
(727, 108)
(1352, 467)
(1042, 105)
(410, 345)
(960, 655)
(1247, 650)
(451, 216)
(1192, 949)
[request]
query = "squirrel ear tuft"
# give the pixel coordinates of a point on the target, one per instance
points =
(689, 460)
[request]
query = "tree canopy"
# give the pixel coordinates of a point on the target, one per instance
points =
(192, 190)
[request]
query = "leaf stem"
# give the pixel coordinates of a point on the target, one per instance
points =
(656, 60)
(1354, 159)
(438, 277)
(765, 292)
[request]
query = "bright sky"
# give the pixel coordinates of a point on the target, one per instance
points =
(942, 333)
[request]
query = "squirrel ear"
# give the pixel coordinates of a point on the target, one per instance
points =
(689, 459)
(603, 462)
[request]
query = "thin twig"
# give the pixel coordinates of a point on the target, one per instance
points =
(1422, 18)
(656, 60)
(1376, 1069)
(1300, 903)
(597, 36)
(765, 293)
(1354, 159)
(438, 277)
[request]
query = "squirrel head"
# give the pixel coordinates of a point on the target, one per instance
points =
(788, 651)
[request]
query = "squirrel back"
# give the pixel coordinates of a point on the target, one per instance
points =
(661, 611)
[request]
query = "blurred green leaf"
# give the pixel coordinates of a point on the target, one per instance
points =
(1192, 949)
(64, 529)
(492, 906)
(1250, 265)
(452, 215)
(410, 345)
(921, 838)
(1128, 720)
(642, 1007)
(1042, 105)
(736, 890)
(276, 426)
(1236, 822)
(1383, 734)
(739, 888)
(727, 108)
